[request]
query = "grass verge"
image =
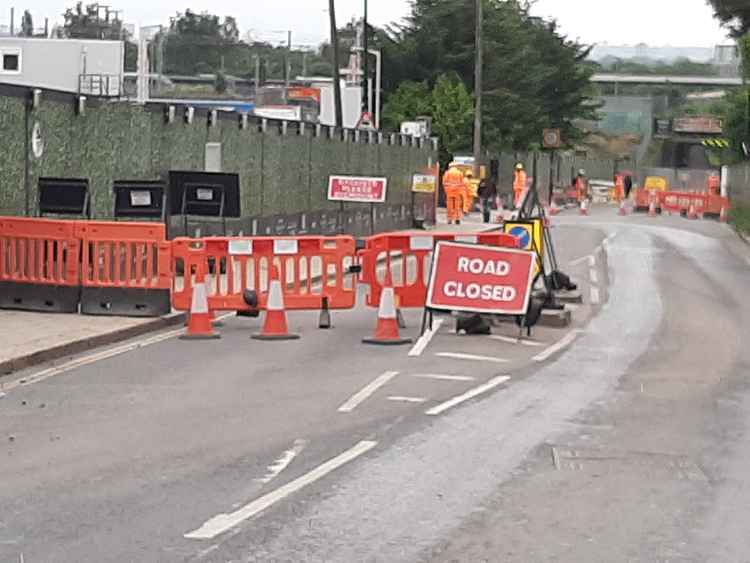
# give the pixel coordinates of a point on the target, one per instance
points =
(739, 216)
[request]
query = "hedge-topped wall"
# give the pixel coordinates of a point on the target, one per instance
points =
(283, 171)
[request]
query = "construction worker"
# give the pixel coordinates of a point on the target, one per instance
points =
(470, 190)
(519, 185)
(582, 186)
(619, 188)
(455, 185)
(714, 184)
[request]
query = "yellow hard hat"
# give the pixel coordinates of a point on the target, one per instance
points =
(469, 174)
(519, 166)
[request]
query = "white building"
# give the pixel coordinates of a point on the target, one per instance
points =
(71, 65)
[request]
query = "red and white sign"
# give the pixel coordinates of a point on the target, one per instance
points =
(353, 188)
(481, 279)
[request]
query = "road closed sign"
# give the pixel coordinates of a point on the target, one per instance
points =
(357, 189)
(481, 279)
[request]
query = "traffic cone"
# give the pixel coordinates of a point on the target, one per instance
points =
(200, 324)
(553, 208)
(275, 326)
(584, 207)
(386, 332)
(723, 218)
(691, 212)
(652, 207)
(623, 208)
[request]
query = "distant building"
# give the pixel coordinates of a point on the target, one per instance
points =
(643, 51)
(70, 65)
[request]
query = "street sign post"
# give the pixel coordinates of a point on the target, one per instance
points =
(480, 279)
(552, 139)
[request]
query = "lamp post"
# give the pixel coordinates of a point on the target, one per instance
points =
(378, 54)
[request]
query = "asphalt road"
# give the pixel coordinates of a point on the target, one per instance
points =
(623, 438)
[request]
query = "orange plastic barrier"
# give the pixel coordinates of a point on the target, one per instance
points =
(681, 202)
(39, 265)
(406, 259)
(125, 268)
(313, 270)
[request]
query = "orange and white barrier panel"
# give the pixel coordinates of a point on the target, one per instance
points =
(313, 271)
(402, 261)
(39, 265)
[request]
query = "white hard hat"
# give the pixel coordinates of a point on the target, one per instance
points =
(581, 172)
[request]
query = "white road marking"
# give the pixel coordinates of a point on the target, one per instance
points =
(471, 357)
(97, 357)
(611, 237)
(425, 339)
(491, 384)
(511, 340)
(366, 391)
(283, 462)
(440, 377)
(399, 399)
(595, 296)
(581, 260)
(748, 261)
(592, 261)
(557, 346)
(594, 276)
(223, 522)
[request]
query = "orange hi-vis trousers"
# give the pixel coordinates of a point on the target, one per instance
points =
(455, 202)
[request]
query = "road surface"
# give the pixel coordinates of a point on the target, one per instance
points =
(623, 438)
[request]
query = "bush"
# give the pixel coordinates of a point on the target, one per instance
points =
(739, 216)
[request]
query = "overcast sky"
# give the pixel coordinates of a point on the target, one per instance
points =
(656, 22)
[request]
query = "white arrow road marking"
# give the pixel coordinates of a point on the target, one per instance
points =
(471, 357)
(223, 522)
(424, 340)
(491, 384)
(443, 377)
(566, 340)
(366, 391)
(283, 462)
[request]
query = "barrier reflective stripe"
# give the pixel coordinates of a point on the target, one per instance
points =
(406, 258)
(125, 268)
(314, 271)
(680, 202)
(39, 266)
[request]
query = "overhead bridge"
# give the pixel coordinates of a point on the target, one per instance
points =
(603, 78)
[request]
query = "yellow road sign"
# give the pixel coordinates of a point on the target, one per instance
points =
(530, 232)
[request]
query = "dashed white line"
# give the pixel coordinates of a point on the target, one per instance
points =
(400, 399)
(595, 298)
(594, 276)
(366, 391)
(283, 462)
(491, 384)
(592, 261)
(557, 346)
(223, 522)
(425, 339)
(471, 357)
(511, 340)
(441, 377)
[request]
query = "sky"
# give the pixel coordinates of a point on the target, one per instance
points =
(655, 22)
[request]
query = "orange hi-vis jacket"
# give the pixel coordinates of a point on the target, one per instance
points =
(453, 181)
(519, 184)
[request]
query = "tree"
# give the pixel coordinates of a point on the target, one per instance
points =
(27, 25)
(735, 14)
(410, 100)
(533, 76)
(453, 113)
(93, 22)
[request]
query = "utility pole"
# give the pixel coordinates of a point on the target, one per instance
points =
(365, 58)
(339, 121)
(287, 64)
(478, 89)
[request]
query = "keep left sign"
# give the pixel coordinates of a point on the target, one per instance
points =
(481, 279)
